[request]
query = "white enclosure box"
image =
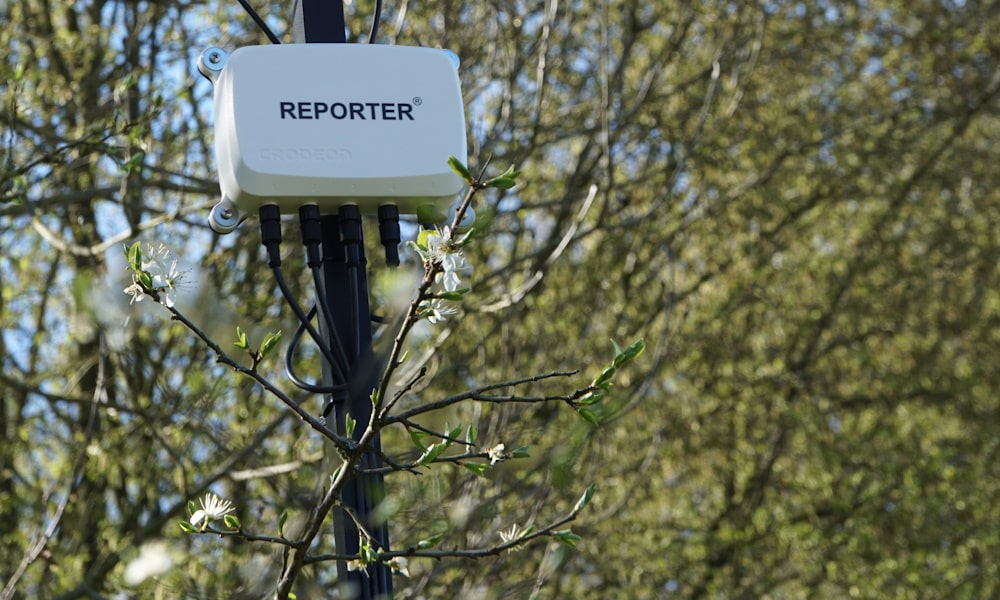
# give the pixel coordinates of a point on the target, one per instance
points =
(332, 124)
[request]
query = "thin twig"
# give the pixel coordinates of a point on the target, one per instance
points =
(480, 395)
(342, 444)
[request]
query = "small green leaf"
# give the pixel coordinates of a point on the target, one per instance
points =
(501, 183)
(589, 415)
(192, 507)
(628, 354)
(585, 498)
(418, 436)
(460, 169)
(453, 295)
(592, 397)
(146, 279)
(505, 180)
(241, 339)
(349, 424)
(471, 434)
(422, 238)
(605, 377)
(567, 537)
(521, 452)
(269, 342)
(477, 468)
(433, 451)
(281, 523)
(133, 254)
(231, 521)
(430, 542)
(187, 527)
(453, 434)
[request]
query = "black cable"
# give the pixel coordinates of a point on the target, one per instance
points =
(351, 234)
(290, 367)
(260, 22)
(339, 369)
(389, 234)
(312, 236)
(375, 20)
(270, 235)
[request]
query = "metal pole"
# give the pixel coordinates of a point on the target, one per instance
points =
(345, 282)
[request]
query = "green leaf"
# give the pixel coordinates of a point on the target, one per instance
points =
(134, 255)
(521, 452)
(628, 354)
(231, 521)
(349, 424)
(477, 468)
(146, 279)
(589, 415)
(454, 295)
(281, 523)
(453, 434)
(460, 169)
(585, 498)
(501, 183)
(430, 542)
(418, 436)
(241, 339)
(423, 236)
(187, 527)
(471, 434)
(566, 536)
(433, 451)
(592, 397)
(505, 180)
(605, 377)
(192, 507)
(269, 342)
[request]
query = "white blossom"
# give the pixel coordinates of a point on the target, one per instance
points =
(164, 276)
(439, 310)
(511, 535)
(442, 252)
(496, 454)
(135, 290)
(212, 508)
(399, 565)
(451, 264)
(357, 565)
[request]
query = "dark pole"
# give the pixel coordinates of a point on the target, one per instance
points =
(345, 283)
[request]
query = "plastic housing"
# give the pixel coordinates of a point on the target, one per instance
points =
(333, 124)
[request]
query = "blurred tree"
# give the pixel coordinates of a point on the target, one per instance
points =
(794, 203)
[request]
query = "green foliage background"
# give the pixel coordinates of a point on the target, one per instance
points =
(794, 203)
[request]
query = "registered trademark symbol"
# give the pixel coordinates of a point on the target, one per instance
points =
(417, 100)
